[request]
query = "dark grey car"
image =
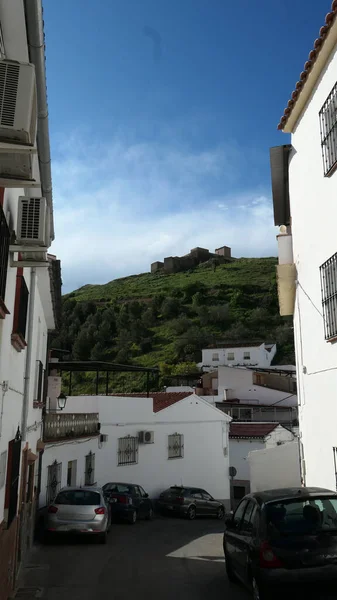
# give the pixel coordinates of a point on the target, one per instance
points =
(190, 502)
(283, 538)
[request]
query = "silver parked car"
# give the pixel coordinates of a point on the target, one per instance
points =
(81, 511)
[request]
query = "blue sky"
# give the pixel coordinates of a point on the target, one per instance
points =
(161, 118)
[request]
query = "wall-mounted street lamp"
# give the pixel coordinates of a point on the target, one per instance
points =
(61, 401)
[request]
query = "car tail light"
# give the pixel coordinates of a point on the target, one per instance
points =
(125, 500)
(268, 560)
(100, 510)
(52, 509)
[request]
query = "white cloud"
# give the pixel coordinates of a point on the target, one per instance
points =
(122, 206)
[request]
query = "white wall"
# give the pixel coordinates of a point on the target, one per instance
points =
(240, 448)
(240, 383)
(205, 430)
(275, 467)
(259, 356)
(64, 452)
(313, 212)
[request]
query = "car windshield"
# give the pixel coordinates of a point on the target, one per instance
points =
(78, 498)
(302, 517)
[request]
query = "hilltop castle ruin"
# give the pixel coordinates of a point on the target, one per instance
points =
(173, 264)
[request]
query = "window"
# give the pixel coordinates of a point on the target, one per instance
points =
(54, 480)
(239, 514)
(20, 311)
(38, 381)
(78, 498)
(302, 517)
(176, 446)
(127, 451)
(328, 127)
(4, 250)
(89, 476)
(329, 296)
(230, 356)
(334, 450)
(215, 356)
(3, 463)
(246, 356)
(246, 523)
(206, 496)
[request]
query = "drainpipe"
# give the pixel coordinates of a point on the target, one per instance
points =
(28, 365)
(35, 39)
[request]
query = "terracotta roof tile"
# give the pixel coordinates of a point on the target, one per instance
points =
(329, 19)
(251, 430)
(161, 400)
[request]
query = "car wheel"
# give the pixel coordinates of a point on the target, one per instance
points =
(259, 593)
(229, 570)
(149, 515)
(133, 517)
(220, 514)
(191, 513)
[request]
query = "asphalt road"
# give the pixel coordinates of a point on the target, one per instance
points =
(165, 559)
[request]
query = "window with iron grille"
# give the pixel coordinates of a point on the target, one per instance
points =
(176, 446)
(89, 476)
(54, 481)
(246, 356)
(230, 356)
(127, 450)
(328, 126)
(4, 250)
(328, 273)
(215, 356)
(21, 307)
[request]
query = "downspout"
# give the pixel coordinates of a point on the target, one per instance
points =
(28, 365)
(35, 39)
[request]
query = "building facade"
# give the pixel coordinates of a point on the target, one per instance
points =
(170, 439)
(234, 355)
(30, 281)
(304, 181)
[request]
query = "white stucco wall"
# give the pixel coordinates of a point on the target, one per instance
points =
(240, 384)
(275, 467)
(205, 430)
(64, 452)
(259, 356)
(240, 448)
(313, 211)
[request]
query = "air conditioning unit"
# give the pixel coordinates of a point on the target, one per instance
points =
(103, 437)
(18, 108)
(146, 437)
(32, 222)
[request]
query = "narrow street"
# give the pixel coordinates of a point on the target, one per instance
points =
(167, 558)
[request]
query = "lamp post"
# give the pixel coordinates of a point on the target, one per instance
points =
(61, 401)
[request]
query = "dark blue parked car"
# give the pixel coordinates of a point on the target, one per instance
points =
(128, 501)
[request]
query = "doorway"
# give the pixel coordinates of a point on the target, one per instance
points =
(71, 473)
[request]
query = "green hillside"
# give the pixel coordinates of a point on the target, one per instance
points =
(165, 320)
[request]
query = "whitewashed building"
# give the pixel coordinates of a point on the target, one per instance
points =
(243, 439)
(30, 283)
(304, 181)
(168, 439)
(249, 355)
(276, 467)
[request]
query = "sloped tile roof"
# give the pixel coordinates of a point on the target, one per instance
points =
(251, 430)
(161, 400)
(318, 43)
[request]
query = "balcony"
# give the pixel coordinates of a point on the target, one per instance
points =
(65, 426)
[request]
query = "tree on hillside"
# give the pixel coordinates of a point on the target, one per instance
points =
(171, 308)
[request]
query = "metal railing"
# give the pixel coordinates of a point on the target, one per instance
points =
(328, 273)
(328, 127)
(127, 450)
(67, 425)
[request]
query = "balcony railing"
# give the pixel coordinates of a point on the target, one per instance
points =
(70, 425)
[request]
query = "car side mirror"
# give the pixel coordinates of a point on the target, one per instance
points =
(146, 495)
(229, 522)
